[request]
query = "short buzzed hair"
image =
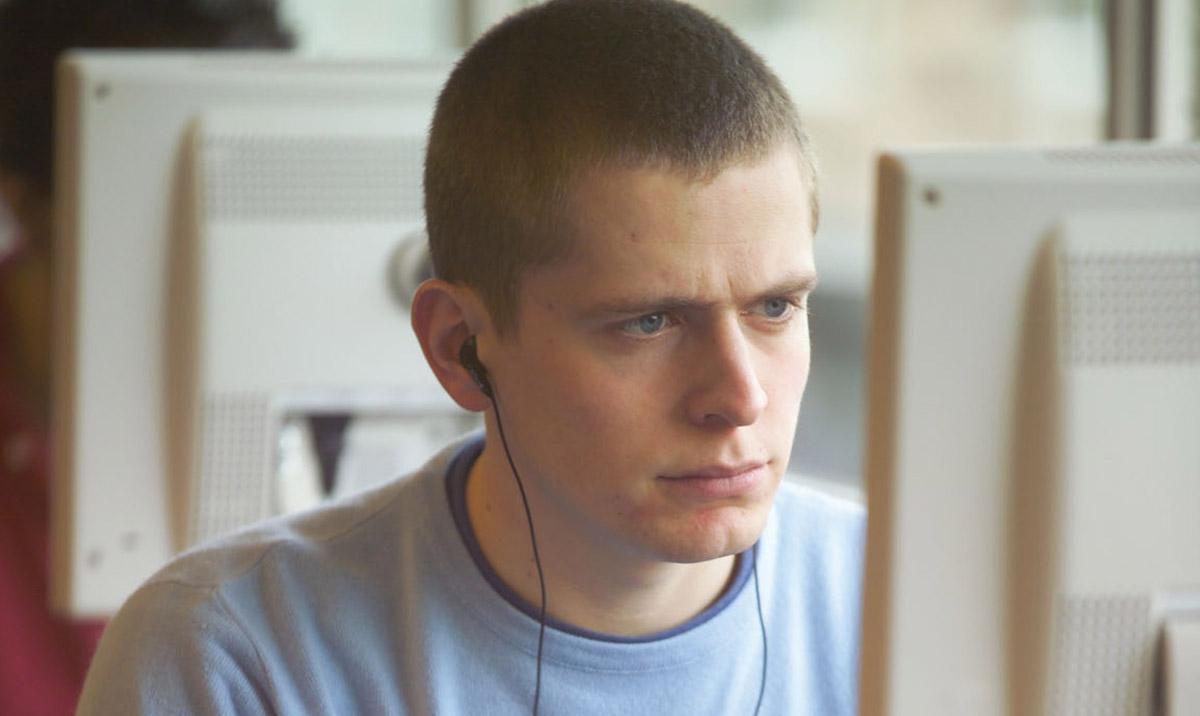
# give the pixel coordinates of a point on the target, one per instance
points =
(572, 86)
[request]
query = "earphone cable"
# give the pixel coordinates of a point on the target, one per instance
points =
(762, 625)
(537, 561)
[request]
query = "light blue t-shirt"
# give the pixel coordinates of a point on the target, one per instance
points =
(382, 605)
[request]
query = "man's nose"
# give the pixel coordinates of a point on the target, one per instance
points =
(727, 391)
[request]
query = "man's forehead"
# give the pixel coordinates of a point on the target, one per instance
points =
(648, 234)
(629, 209)
(740, 203)
(629, 271)
(652, 177)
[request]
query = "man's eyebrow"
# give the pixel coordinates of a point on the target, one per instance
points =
(806, 283)
(633, 305)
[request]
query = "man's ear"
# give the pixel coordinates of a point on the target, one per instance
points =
(443, 317)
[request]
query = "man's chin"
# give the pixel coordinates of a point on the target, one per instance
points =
(715, 540)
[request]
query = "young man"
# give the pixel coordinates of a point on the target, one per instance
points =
(621, 211)
(45, 656)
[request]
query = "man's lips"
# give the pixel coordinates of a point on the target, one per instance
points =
(717, 481)
(716, 472)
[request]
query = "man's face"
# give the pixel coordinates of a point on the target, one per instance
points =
(651, 390)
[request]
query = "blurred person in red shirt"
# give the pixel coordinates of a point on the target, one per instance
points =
(45, 656)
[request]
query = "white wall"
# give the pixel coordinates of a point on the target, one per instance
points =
(372, 28)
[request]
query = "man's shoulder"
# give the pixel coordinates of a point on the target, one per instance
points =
(274, 601)
(819, 533)
(318, 534)
(818, 568)
(805, 506)
(327, 534)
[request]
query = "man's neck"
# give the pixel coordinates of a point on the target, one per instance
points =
(589, 584)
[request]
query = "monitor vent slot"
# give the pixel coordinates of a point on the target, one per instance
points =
(1131, 308)
(1102, 656)
(249, 178)
(1123, 156)
(233, 465)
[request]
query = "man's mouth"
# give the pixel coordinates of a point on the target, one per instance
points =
(718, 480)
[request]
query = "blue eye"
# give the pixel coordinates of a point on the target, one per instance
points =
(647, 325)
(776, 307)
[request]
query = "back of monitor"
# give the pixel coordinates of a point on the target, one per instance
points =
(1029, 514)
(127, 355)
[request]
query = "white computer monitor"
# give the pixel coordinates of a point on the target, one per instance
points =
(235, 236)
(1033, 436)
